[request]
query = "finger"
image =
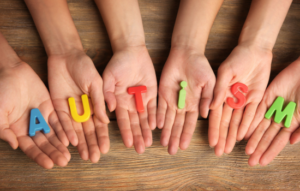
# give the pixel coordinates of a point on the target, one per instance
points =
(214, 126)
(276, 146)
(67, 125)
(138, 141)
(176, 132)
(56, 126)
(259, 116)
(247, 119)
(152, 113)
(233, 128)
(98, 101)
(264, 143)
(52, 138)
(188, 129)
(224, 125)
(161, 112)
(82, 144)
(124, 126)
(146, 131)
(295, 138)
(32, 151)
(166, 132)
(222, 83)
(256, 137)
(92, 143)
(206, 98)
(46, 147)
(102, 135)
(7, 134)
(109, 90)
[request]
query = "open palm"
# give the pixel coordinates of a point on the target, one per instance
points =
(179, 124)
(267, 137)
(250, 66)
(128, 68)
(20, 91)
(71, 76)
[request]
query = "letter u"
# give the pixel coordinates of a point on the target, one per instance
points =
(86, 108)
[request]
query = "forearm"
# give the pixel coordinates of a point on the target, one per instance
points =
(193, 23)
(8, 56)
(263, 23)
(123, 22)
(55, 25)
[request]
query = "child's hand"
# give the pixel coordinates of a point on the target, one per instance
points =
(250, 66)
(179, 124)
(72, 75)
(20, 91)
(268, 138)
(132, 66)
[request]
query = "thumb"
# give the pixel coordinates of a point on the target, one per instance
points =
(6, 133)
(223, 79)
(98, 100)
(109, 90)
(206, 98)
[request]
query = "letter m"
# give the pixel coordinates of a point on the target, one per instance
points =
(279, 115)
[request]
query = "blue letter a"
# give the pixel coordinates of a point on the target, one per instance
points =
(35, 115)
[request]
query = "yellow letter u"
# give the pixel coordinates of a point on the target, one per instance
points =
(86, 108)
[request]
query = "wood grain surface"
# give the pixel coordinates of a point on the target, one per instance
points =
(197, 168)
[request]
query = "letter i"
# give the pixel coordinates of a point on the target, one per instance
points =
(182, 95)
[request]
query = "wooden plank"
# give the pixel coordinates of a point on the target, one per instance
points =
(124, 169)
(196, 168)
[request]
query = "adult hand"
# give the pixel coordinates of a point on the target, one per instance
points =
(267, 137)
(179, 124)
(250, 66)
(71, 75)
(21, 91)
(132, 66)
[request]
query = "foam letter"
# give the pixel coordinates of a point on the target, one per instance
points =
(182, 95)
(36, 116)
(240, 97)
(137, 91)
(86, 108)
(279, 115)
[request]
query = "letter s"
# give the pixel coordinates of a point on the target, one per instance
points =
(241, 99)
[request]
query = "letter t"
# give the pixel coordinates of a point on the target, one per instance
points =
(137, 91)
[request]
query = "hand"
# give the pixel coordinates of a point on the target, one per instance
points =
(179, 124)
(250, 66)
(21, 91)
(132, 66)
(269, 138)
(72, 75)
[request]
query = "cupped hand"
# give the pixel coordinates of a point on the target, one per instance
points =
(179, 124)
(20, 91)
(71, 75)
(129, 67)
(267, 137)
(250, 66)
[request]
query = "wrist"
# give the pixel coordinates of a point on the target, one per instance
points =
(188, 43)
(8, 57)
(254, 39)
(120, 43)
(63, 45)
(188, 49)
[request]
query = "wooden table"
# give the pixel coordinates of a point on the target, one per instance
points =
(122, 168)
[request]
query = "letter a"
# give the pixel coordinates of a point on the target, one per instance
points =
(240, 97)
(182, 95)
(279, 115)
(86, 108)
(36, 116)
